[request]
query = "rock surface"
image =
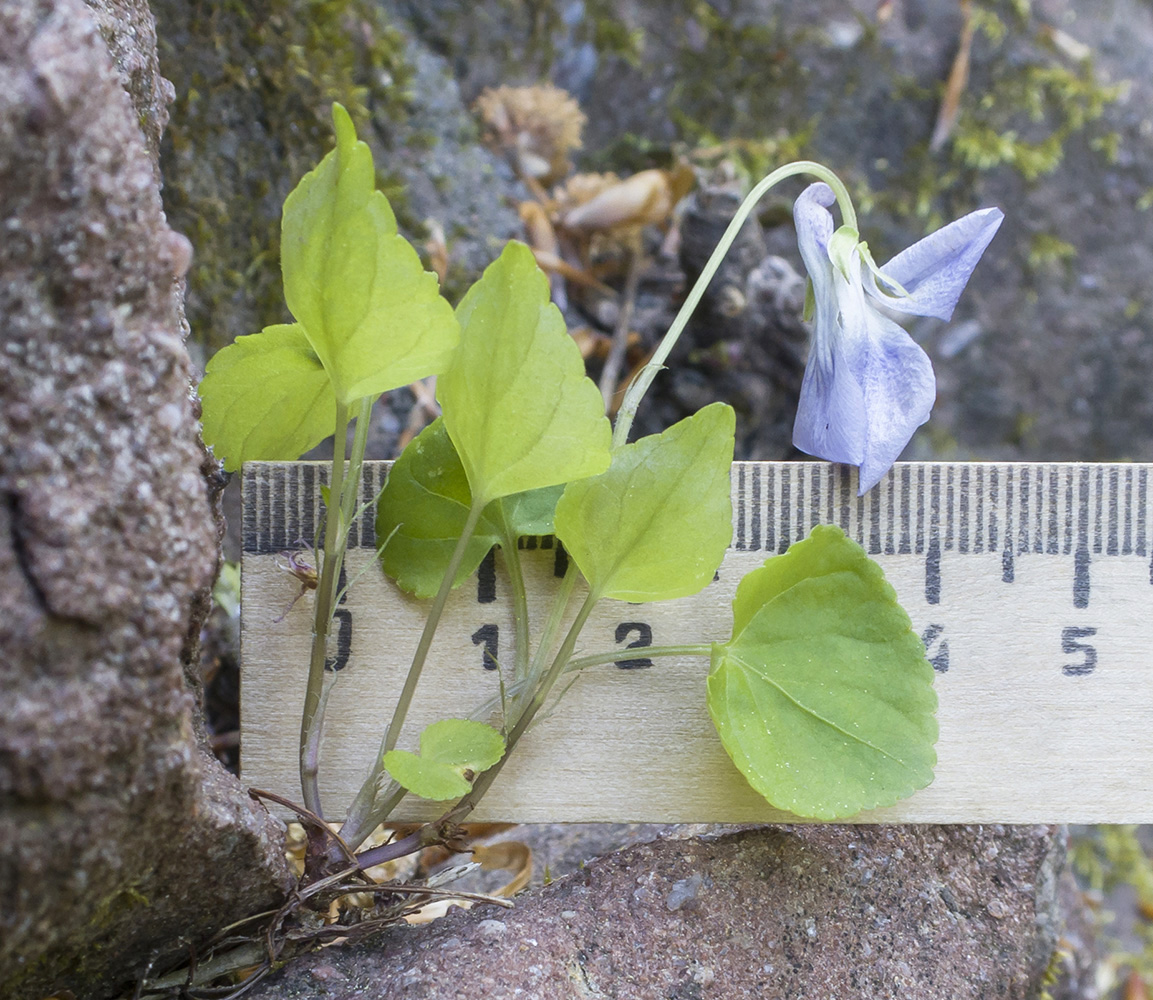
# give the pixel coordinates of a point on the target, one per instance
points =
(110, 813)
(837, 911)
(1048, 355)
(121, 840)
(252, 115)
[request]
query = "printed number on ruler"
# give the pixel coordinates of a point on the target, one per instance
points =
(1083, 514)
(488, 635)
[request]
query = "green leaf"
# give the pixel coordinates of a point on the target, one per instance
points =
(530, 513)
(266, 397)
(373, 315)
(452, 753)
(823, 697)
(424, 506)
(655, 525)
(517, 403)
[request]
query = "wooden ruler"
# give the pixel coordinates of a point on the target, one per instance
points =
(1030, 585)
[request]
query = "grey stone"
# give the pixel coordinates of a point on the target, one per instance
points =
(121, 840)
(819, 911)
(252, 115)
(1060, 368)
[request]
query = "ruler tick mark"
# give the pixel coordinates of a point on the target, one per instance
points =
(741, 505)
(486, 579)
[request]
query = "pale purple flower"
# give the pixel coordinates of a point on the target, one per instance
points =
(867, 385)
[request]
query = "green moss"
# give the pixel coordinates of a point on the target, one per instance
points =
(1047, 251)
(254, 83)
(78, 961)
(610, 35)
(1023, 115)
(1054, 972)
(542, 23)
(1017, 113)
(112, 908)
(738, 78)
(1111, 857)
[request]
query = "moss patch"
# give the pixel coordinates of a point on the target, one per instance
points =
(1108, 858)
(254, 83)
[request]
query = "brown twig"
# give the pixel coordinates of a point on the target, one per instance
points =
(955, 86)
(309, 817)
(611, 372)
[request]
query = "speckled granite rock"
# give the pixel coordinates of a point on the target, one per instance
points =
(120, 840)
(821, 913)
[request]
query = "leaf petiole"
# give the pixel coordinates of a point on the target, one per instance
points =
(540, 695)
(548, 635)
(365, 813)
(325, 600)
(344, 487)
(430, 627)
(597, 659)
(511, 552)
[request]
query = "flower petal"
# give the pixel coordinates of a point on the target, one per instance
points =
(899, 389)
(814, 225)
(934, 270)
(831, 418)
(830, 421)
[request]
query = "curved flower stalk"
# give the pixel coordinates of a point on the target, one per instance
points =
(868, 386)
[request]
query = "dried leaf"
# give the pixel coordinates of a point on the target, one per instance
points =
(579, 189)
(434, 911)
(556, 265)
(538, 230)
(643, 199)
(1070, 47)
(534, 126)
(592, 343)
(955, 85)
(1135, 987)
(511, 855)
(436, 248)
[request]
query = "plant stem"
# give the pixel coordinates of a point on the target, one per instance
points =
(641, 383)
(611, 372)
(430, 626)
(561, 664)
(241, 957)
(485, 709)
(552, 626)
(335, 537)
(511, 553)
(365, 813)
(540, 695)
(692, 649)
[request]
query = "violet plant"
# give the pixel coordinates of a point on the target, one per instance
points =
(822, 694)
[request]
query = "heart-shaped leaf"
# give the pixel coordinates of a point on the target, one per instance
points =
(424, 506)
(823, 697)
(373, 315)
(452, 753)
(656, 525)
(517, 403)
(266, 398)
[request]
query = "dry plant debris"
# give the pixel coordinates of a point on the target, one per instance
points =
(535, 127)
